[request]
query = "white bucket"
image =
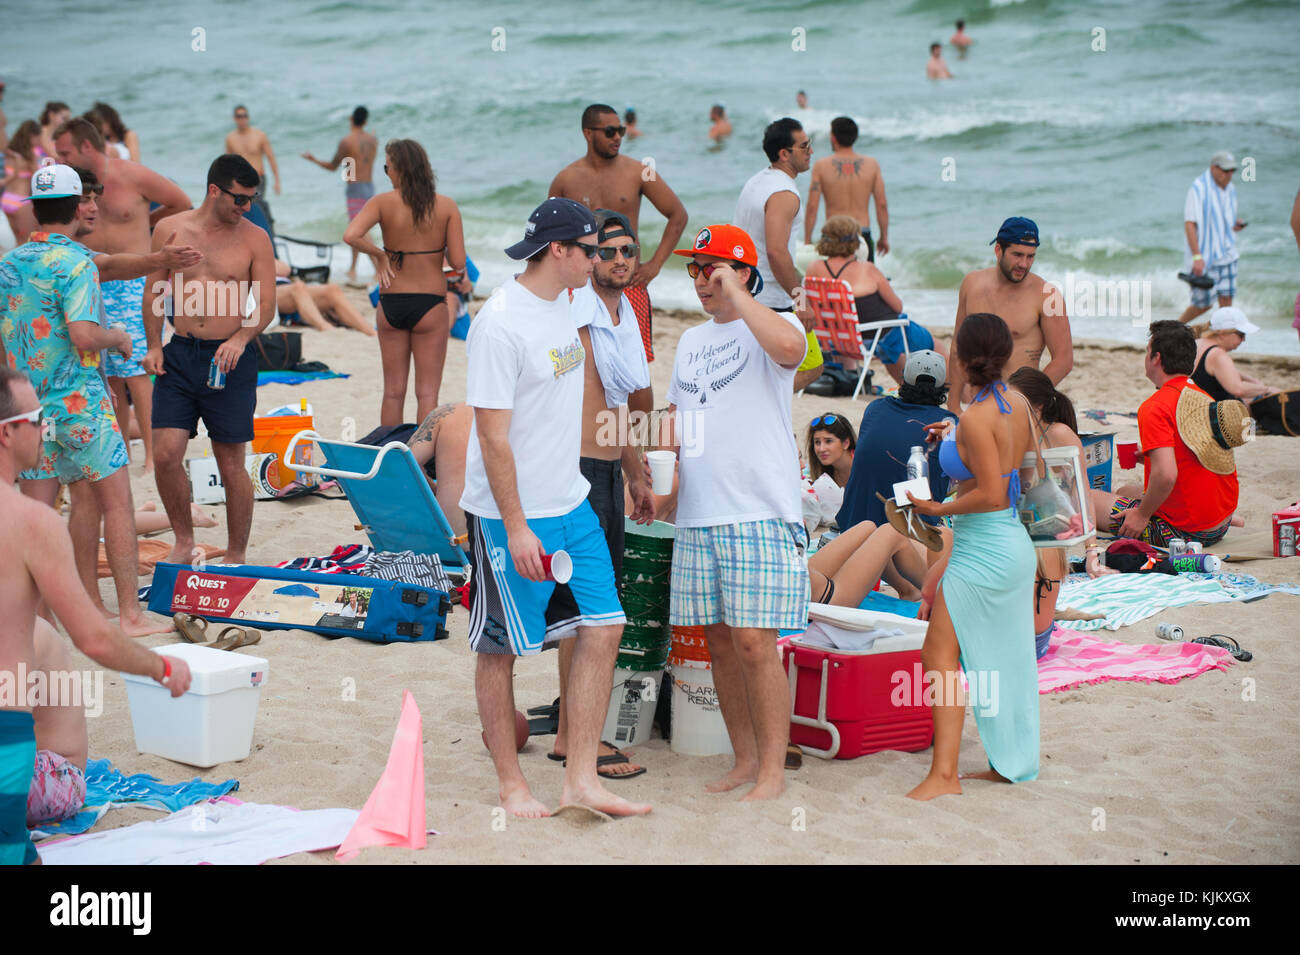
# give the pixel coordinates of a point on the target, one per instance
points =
(632, 704)
(698, 728)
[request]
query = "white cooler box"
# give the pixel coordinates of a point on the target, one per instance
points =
(213, 721)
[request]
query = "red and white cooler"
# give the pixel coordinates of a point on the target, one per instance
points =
(848, 703)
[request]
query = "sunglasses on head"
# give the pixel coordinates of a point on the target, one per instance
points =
(823, 419)
(239, 200)
(34, 417)
(611, 131)
(589, 249)
(608, 254)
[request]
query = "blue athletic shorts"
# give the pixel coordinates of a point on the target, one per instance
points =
(17, 760)
(182, 396)
(890, 348)
(508, 612)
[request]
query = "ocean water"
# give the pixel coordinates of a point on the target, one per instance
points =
(1097, 145)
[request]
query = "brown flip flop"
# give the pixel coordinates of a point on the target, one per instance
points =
(244, 637)
(793, 756)
(192, 629)
(908, 523)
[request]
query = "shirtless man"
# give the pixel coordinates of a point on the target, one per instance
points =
(359, 149)
(849, 181)
(123, 226)
(935, 67)
(721, 127)
(58, 789)
(616, 380)
(440, 445)
(603, 179)
(1033, 309)
(211, 329)
(961, 39)
(251, 143)
(38, 564)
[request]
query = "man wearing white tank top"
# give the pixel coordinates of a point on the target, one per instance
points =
(771, 211)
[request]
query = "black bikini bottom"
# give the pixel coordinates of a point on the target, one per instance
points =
(405, 309)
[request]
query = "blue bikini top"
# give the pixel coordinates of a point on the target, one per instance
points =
(950, 456)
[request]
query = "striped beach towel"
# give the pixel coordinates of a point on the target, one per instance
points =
(1124, 599)
(1214, 211)
(1078, 659)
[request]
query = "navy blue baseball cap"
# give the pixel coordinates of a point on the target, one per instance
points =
(1017, 231)
(555, 220)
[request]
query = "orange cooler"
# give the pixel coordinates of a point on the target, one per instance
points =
(273, 434)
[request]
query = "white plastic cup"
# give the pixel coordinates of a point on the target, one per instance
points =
(662, 464)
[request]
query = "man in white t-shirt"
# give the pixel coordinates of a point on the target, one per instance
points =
(525, 498)
(616, 381)
(770, 211)
(738, 567)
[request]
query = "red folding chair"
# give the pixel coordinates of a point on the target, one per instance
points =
(837, 327)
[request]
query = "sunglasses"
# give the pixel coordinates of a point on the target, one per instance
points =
(805, 145)
(608, 254)
(693, 269)
(823, 419)
(589, 249)
(34, 417)
(87, 190)
(610, 131)
(241, 116)
(240, 200)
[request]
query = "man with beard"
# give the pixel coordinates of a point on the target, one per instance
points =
(603, 179)
(1033, 309)
(616, 380)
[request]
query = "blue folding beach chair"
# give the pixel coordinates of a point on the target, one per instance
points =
(390, 495)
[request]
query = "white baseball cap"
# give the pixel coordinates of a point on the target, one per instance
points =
(1231, 318)
(1224, 160)
(55, 182)
(925, 362)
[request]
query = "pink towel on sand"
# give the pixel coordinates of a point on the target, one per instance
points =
(1075, 659)
(394, 813)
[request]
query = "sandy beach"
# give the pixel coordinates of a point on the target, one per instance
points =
(1185, 773)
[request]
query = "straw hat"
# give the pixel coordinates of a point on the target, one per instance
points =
(1213, 428)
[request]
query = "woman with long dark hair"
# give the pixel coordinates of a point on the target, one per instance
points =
(21, 158)
(420, 229)
(978, 599)
(123, 142)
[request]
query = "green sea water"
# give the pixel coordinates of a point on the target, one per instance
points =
(1091, 118)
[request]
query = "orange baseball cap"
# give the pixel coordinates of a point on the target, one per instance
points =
(726, 242)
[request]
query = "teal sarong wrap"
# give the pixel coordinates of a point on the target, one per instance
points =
(17, 760)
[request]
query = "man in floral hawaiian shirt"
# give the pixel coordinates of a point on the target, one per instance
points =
(49, 321)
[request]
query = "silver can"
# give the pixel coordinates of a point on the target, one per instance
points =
(1193, 547)
(1177, 547)
(1287, 540)
(216, 377)
(1169, 631)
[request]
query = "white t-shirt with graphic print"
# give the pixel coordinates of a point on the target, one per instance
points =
(738, 457)
(524, 354)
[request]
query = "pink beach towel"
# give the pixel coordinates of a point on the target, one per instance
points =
(1076, 659)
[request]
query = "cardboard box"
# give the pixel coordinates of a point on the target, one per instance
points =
(205, 479)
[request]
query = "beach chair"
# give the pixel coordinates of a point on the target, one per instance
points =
(390, 495)
(324, 253)
(837, 327)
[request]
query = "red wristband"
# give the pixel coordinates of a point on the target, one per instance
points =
(167, 670)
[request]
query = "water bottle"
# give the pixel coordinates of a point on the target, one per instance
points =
(1196, 564)
(918, 464)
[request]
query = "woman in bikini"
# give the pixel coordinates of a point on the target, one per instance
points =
(21, 159)
(979, 598)
(875, 299)
(420, 229)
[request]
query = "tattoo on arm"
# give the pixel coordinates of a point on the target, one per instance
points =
(430, 424)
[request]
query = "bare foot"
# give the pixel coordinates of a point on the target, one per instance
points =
(201, 518)
(142, 626)
(737, 777)
(601, 799)
(933, 786)
(912, 594)
(232, 558)
(151, 506)
(765, 790)
(108, 614)
(182, 552)
(1236, 521)
(520, 802)
(991, 775)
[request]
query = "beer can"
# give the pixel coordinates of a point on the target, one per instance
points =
(1287, 540)
(1193, 547)
(1169, 631)
(216, 377)
(1177, 546)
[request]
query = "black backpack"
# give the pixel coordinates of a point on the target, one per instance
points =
(1277, 414)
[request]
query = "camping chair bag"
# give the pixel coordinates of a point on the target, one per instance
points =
(1277, 414)
(275, 598)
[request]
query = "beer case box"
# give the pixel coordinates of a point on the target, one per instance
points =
(205, 479)
(1286, 531)
(852, 703)
(212, 722)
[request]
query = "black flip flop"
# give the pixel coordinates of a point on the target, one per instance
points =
(545, 720)
(1197, 281)
(616, 758)
(1225, 642)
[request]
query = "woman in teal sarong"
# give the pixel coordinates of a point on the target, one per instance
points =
(979, 601)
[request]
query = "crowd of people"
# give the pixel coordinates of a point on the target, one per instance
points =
(551, 354)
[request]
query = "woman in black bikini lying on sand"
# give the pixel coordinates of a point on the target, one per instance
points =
(420, 228)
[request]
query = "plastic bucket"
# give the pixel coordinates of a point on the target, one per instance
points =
(698, 728)
(632, 704)
(690, 648)
(273, 434)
